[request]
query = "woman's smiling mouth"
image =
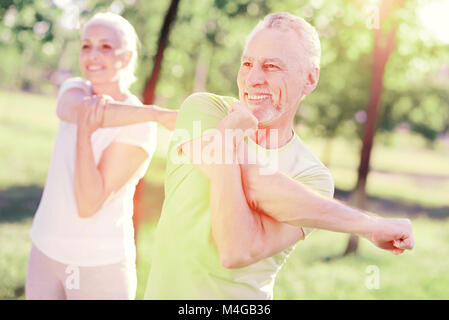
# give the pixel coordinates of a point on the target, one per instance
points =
(94, 68)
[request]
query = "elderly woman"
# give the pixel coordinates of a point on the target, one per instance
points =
(82, 234)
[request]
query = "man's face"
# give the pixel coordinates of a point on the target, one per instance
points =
(272, 76)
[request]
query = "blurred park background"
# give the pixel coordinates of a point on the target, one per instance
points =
(383, 93)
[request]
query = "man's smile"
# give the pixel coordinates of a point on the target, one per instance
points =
(257, 98)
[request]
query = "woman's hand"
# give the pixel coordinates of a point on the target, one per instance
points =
(90, 113)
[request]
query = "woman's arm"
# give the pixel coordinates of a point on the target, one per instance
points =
(115, 114)
(95, 184)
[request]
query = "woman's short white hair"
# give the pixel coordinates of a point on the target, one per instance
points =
(129, 41)
(307, 34)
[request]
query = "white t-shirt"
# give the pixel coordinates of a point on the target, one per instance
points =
(107, 237)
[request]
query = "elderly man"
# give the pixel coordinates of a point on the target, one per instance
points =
(228, 226)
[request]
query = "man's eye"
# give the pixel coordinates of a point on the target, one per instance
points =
(271, 66)
(246, 64)
(85, 46)
(106, 47)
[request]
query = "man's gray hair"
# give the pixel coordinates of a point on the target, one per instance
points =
(307, 34)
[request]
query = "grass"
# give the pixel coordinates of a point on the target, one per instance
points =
(419, 274)
(404, 172)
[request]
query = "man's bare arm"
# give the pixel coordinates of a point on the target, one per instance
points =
(243, 236)
(289, 201)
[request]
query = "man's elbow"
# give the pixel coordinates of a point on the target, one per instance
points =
(233, 261)
(238, 258)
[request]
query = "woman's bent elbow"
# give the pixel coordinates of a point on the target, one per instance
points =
(86, 211)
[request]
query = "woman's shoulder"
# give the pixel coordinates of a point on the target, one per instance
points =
(133, 99)
(75, 82)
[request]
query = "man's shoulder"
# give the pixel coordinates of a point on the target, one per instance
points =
(301, 148)
(199, 112)
(206, 100)
(309, 168)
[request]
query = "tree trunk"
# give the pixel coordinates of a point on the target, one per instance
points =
(148, 98)
(384, 43)
(148, 93)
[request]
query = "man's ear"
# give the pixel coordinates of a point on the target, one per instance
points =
(311, 80)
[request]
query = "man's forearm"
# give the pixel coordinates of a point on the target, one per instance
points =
(289, 201)
(234, 227)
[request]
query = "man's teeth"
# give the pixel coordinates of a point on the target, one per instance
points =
(258, 97)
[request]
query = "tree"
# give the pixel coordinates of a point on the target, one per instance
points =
(384, 43)
(148, 98)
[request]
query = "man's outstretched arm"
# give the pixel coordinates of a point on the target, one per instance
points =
(289, 201)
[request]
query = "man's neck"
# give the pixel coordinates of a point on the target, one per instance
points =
(273, 137)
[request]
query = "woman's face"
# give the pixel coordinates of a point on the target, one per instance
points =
(102, 54)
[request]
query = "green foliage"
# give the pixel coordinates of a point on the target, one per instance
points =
(209, 36)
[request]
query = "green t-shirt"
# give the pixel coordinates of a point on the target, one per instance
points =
(185, 263)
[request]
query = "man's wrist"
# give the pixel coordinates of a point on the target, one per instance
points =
(369, 226)
(225, 171)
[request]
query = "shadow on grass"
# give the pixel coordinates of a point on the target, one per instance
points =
(19, 203)
(387, 207)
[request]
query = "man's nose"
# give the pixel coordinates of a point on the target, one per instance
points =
(256, 76)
